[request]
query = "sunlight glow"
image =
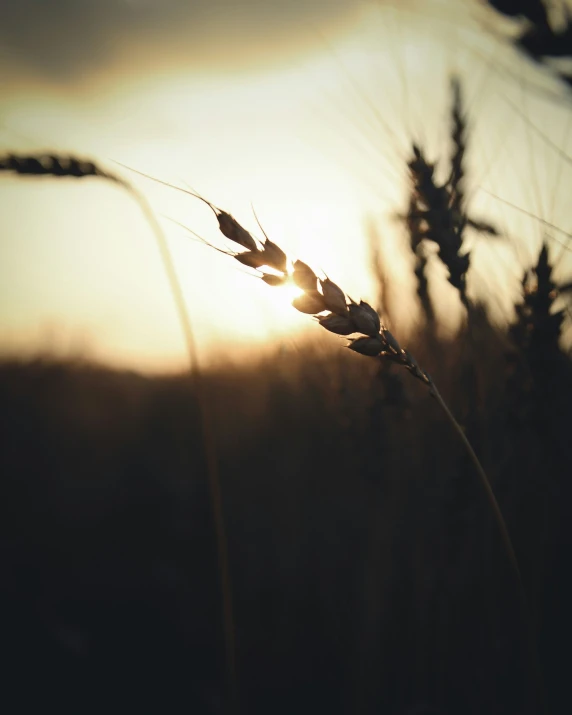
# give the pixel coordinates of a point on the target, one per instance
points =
(287, 292)
(317, 145)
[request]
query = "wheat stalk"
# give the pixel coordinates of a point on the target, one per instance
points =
(539, 39)
(70, 166)
(433, 206)
(362, 325)
(458, 136)
(55, 165)
(537, 329)
(437, 212)
(337, 313)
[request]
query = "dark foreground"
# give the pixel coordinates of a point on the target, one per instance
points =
(367, 573)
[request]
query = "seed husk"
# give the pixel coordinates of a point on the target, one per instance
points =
(310, 304)
(230, 228)
(334, 297)
(339, 324)
(304, 277)
(392, 342)
(252, 259)
(272, 280)
(364, 318)
(275, 256)
(367, 346)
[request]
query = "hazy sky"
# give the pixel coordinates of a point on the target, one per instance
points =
(65, 40)
(306, 109)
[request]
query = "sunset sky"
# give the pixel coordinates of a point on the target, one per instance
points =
(305, 109)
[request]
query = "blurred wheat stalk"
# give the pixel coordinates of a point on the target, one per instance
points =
(73, 167)
(546, 34)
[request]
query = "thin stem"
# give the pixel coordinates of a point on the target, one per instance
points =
(210, 450)
(484, 481)
(507, 543)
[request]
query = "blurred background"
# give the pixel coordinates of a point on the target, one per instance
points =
(367, 574)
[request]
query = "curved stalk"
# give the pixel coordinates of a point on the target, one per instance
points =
(505, 536)
(210, 451)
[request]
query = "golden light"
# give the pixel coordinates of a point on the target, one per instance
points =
(285, 293)
(317, 145)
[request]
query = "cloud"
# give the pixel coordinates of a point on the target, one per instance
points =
(65, 40)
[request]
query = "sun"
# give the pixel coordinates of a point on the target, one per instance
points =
(288, 291)
(281, 296)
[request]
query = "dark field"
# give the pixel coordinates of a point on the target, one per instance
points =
(367, 573)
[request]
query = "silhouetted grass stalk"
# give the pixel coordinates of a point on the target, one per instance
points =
(505, 536)
(329, 305)
(72, 167)
(484, 481)
(210, 451)
(342, 318)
